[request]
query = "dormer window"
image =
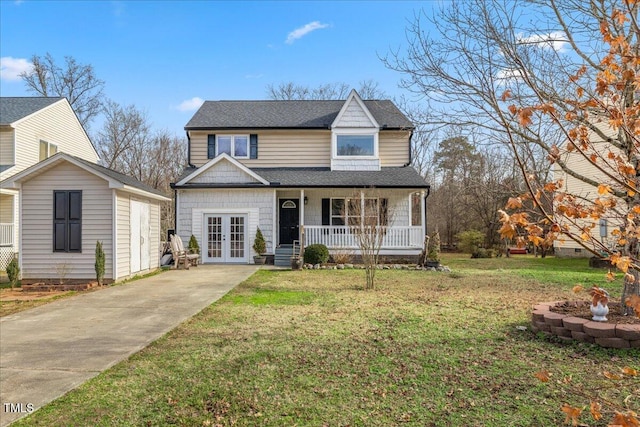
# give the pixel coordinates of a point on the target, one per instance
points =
(355, 145)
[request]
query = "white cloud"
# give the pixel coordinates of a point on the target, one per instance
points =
(190, 104)
(304, 30)
(556, 40)
(10, 68)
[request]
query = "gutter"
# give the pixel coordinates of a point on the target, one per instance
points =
(425, 210)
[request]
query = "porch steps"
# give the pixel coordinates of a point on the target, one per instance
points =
(283, 253)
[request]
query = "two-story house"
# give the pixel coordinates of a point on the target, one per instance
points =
(306, 170)
(31, 130)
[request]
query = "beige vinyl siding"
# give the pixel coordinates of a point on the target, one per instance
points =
(302, 148)
(276, 148)
(38, 259)
(393, 148)
(6, 146)
(123, 234)
(56, 124)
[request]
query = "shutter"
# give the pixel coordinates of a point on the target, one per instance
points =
(75, 221)
(326, 211)
(384, 212)
(211, 146)
(253, 146)
(60, 205)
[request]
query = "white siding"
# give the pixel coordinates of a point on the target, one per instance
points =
(354, 117)
(38, 259)
(193, 204)
(123, 249)
(399, 206)
(224, 172)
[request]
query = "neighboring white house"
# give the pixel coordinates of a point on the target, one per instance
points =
(301, 171)
(68, 204)
(33, 129)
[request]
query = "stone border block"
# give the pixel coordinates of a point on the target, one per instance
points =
(553, 319)
(581, 336)
(628, 332)
(600, 329)
(574, 323)
(560, 331)
(613, 342)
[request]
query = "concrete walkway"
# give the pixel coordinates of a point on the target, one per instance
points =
(51, 349)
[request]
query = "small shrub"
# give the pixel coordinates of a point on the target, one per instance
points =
(13, 271)
(259, 245)
(342, 256)
(194, 247)
(469, 241)
(99, 265)
(482, 253)
(316, 254)
(433, 250)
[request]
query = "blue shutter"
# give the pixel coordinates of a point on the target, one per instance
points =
(253, 146)
(211, 146)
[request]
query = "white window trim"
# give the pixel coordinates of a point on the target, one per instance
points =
(346, 204)
(354, 131)
(48, 153)
(233, 145)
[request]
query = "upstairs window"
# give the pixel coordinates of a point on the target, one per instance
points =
(47, 150)
(355, 145)
(237, 146)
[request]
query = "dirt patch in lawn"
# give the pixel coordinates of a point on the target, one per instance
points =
(18, 295)
(581, 309)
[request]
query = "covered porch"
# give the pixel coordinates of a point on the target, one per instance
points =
(334, 217)
(8, 226)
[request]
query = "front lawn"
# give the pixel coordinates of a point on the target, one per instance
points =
(310, 348)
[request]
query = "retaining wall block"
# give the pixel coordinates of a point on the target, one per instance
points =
(553, 319)
(600, 329)
(574, 323)
(560, 331)
(628, 332)
(581, 336)
(613, 342)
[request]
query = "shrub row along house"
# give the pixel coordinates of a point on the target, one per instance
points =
(302, 171)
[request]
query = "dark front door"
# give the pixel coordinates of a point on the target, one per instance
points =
(289, 221)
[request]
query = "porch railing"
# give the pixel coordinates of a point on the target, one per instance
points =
(341, 236)
(6, 234)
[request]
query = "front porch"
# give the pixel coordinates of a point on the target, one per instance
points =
(395, 239)
(8, 228)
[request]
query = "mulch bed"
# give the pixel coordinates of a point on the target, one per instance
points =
(581, 309)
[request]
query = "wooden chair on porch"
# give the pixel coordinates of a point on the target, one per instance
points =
(180, 255)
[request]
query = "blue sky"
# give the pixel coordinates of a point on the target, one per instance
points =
(164, 56)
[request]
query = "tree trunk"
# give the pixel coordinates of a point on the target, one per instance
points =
(630, 288)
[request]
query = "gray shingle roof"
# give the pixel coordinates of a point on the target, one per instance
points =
(392, 177)
(15, 108)
(302, 114)
(124, 179)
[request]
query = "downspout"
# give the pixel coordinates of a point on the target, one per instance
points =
(410, 151)
(425, 210)
(189, 151)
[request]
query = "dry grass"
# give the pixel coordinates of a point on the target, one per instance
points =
(311, 348)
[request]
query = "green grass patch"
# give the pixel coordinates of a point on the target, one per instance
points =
(310, 348)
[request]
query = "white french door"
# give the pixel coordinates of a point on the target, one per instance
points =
(225, 236)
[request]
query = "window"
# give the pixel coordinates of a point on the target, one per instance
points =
(67, 221)
(355, 145)
(47, 150)
(350, 211)
(237, 146)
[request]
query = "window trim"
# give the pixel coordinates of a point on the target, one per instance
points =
(346, 218)
(233, 145)
(354, 132)
(48, 147)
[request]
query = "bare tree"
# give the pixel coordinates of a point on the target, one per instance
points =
(368, 89)
(76, 82)
(126, 144)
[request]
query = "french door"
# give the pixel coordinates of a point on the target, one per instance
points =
(226, 238)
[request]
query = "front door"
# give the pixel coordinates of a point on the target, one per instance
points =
(225, 237)
(289, 221)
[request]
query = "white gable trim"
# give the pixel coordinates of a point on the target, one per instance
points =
(216, 160)
(353, 96)
(16, 180)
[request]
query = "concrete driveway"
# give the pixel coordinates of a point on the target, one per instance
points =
(51, 349)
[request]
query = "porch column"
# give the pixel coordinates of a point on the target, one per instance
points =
(301, 219)
(423, 217)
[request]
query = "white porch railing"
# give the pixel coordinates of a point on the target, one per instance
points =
(334, 236)
(6, 234)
